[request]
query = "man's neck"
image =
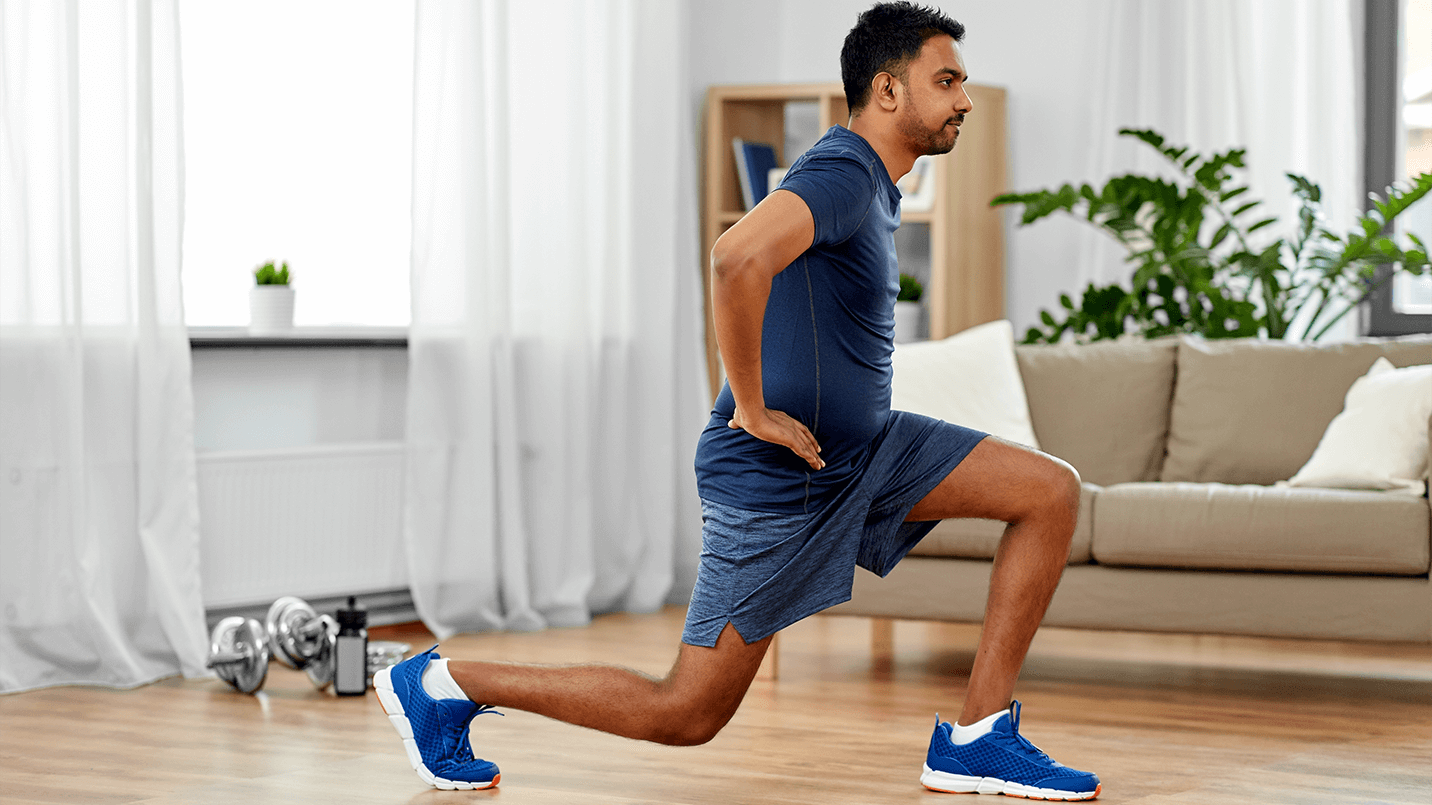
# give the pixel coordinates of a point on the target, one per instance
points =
(888, 146)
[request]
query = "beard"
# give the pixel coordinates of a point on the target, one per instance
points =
(927, 141)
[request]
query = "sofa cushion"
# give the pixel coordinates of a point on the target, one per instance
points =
(1248, 527)
(1102, 407)
(970, 379)
(977, 539)
(1247, 411)
(1379, 441)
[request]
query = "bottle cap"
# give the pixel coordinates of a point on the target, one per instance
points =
(352, 616)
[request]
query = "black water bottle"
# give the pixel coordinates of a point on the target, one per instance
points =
(350, 664)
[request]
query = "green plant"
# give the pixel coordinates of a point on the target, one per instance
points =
(1196, 267)
(910, 289)
(267, 274)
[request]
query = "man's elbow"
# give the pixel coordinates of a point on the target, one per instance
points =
(727, 262)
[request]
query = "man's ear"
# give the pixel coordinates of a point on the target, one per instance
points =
(883, 91)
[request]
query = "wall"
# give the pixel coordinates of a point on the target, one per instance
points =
(300, 476)
(276, 398)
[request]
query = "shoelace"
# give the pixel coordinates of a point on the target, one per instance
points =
(1019, 742)
(464, 736)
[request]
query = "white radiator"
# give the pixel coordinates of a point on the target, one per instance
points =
(313, 522)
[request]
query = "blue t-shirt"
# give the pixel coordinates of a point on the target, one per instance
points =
(827, 337)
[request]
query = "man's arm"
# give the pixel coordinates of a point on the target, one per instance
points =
(743, 261)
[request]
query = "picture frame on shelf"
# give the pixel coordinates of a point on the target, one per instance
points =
(917, 188)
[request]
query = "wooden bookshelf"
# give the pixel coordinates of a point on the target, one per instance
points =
(966, 284)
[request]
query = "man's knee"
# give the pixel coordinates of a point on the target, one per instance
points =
(1061, 490)
(692, 733)
(704, 689)
(1070, 487)
(693, 722)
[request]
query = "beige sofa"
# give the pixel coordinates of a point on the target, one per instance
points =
(1180, 444)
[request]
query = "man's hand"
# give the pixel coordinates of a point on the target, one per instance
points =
(777, 427)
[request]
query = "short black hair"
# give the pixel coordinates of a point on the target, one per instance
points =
(885, 39)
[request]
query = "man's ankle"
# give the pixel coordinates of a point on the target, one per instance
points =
(963, 734)
(438, 682)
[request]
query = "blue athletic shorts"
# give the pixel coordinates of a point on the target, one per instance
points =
(763, 571)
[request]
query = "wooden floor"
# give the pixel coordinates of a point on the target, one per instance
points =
(1161, 719)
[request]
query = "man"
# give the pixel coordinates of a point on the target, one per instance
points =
(804, 471)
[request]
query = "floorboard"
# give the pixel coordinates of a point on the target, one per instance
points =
(1161, 718)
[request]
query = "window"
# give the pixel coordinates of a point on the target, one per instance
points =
(1399, 144)
(298, 148)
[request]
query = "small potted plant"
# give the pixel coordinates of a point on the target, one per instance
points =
(907, 309)
(271, 299)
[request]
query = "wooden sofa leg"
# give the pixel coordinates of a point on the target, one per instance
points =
(882, 639)
(770, 665)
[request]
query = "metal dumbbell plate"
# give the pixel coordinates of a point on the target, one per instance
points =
(320, 666)
(296, 634)
(239, 653)
(384, 654)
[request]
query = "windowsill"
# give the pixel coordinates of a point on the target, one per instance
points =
(306, 337)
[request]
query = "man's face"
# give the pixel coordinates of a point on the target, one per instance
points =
(935, 99)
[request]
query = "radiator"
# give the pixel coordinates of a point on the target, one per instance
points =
(314, 522)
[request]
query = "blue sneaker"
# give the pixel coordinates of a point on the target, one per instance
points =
(1001, 762)
(435, 732)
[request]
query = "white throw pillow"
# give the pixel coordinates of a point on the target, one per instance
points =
(1379, 441)
(970, 379)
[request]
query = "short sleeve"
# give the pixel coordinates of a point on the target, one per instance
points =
(839, 191)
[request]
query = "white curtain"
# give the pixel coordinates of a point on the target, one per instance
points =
(99, 537)
(1277, 77)
(555, 388)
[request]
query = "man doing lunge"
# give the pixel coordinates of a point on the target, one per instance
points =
(804, 471)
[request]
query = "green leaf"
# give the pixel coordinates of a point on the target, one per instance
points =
(1180, 285)
(1220, 235)
(1153, 138)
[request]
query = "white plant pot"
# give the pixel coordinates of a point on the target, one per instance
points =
(270, 308)
(907, 322)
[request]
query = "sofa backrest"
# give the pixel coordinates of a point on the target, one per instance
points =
(1247, 411)
(1103, 407)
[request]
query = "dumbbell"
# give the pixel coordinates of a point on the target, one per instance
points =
(240, 648)
(239, 653)
(302, 639)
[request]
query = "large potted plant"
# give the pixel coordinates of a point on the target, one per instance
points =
(271, 299)
(1197, 268)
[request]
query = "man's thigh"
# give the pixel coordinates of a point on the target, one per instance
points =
(998, 480)
(716, 679)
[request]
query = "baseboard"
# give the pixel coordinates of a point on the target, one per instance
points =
(385, 608)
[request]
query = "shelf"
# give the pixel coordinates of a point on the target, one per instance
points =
(297, 338)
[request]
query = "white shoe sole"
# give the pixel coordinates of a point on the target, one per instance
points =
(388, 699)
(959, 784)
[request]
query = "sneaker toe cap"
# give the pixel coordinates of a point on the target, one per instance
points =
(476, 770)
(1070, 780)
